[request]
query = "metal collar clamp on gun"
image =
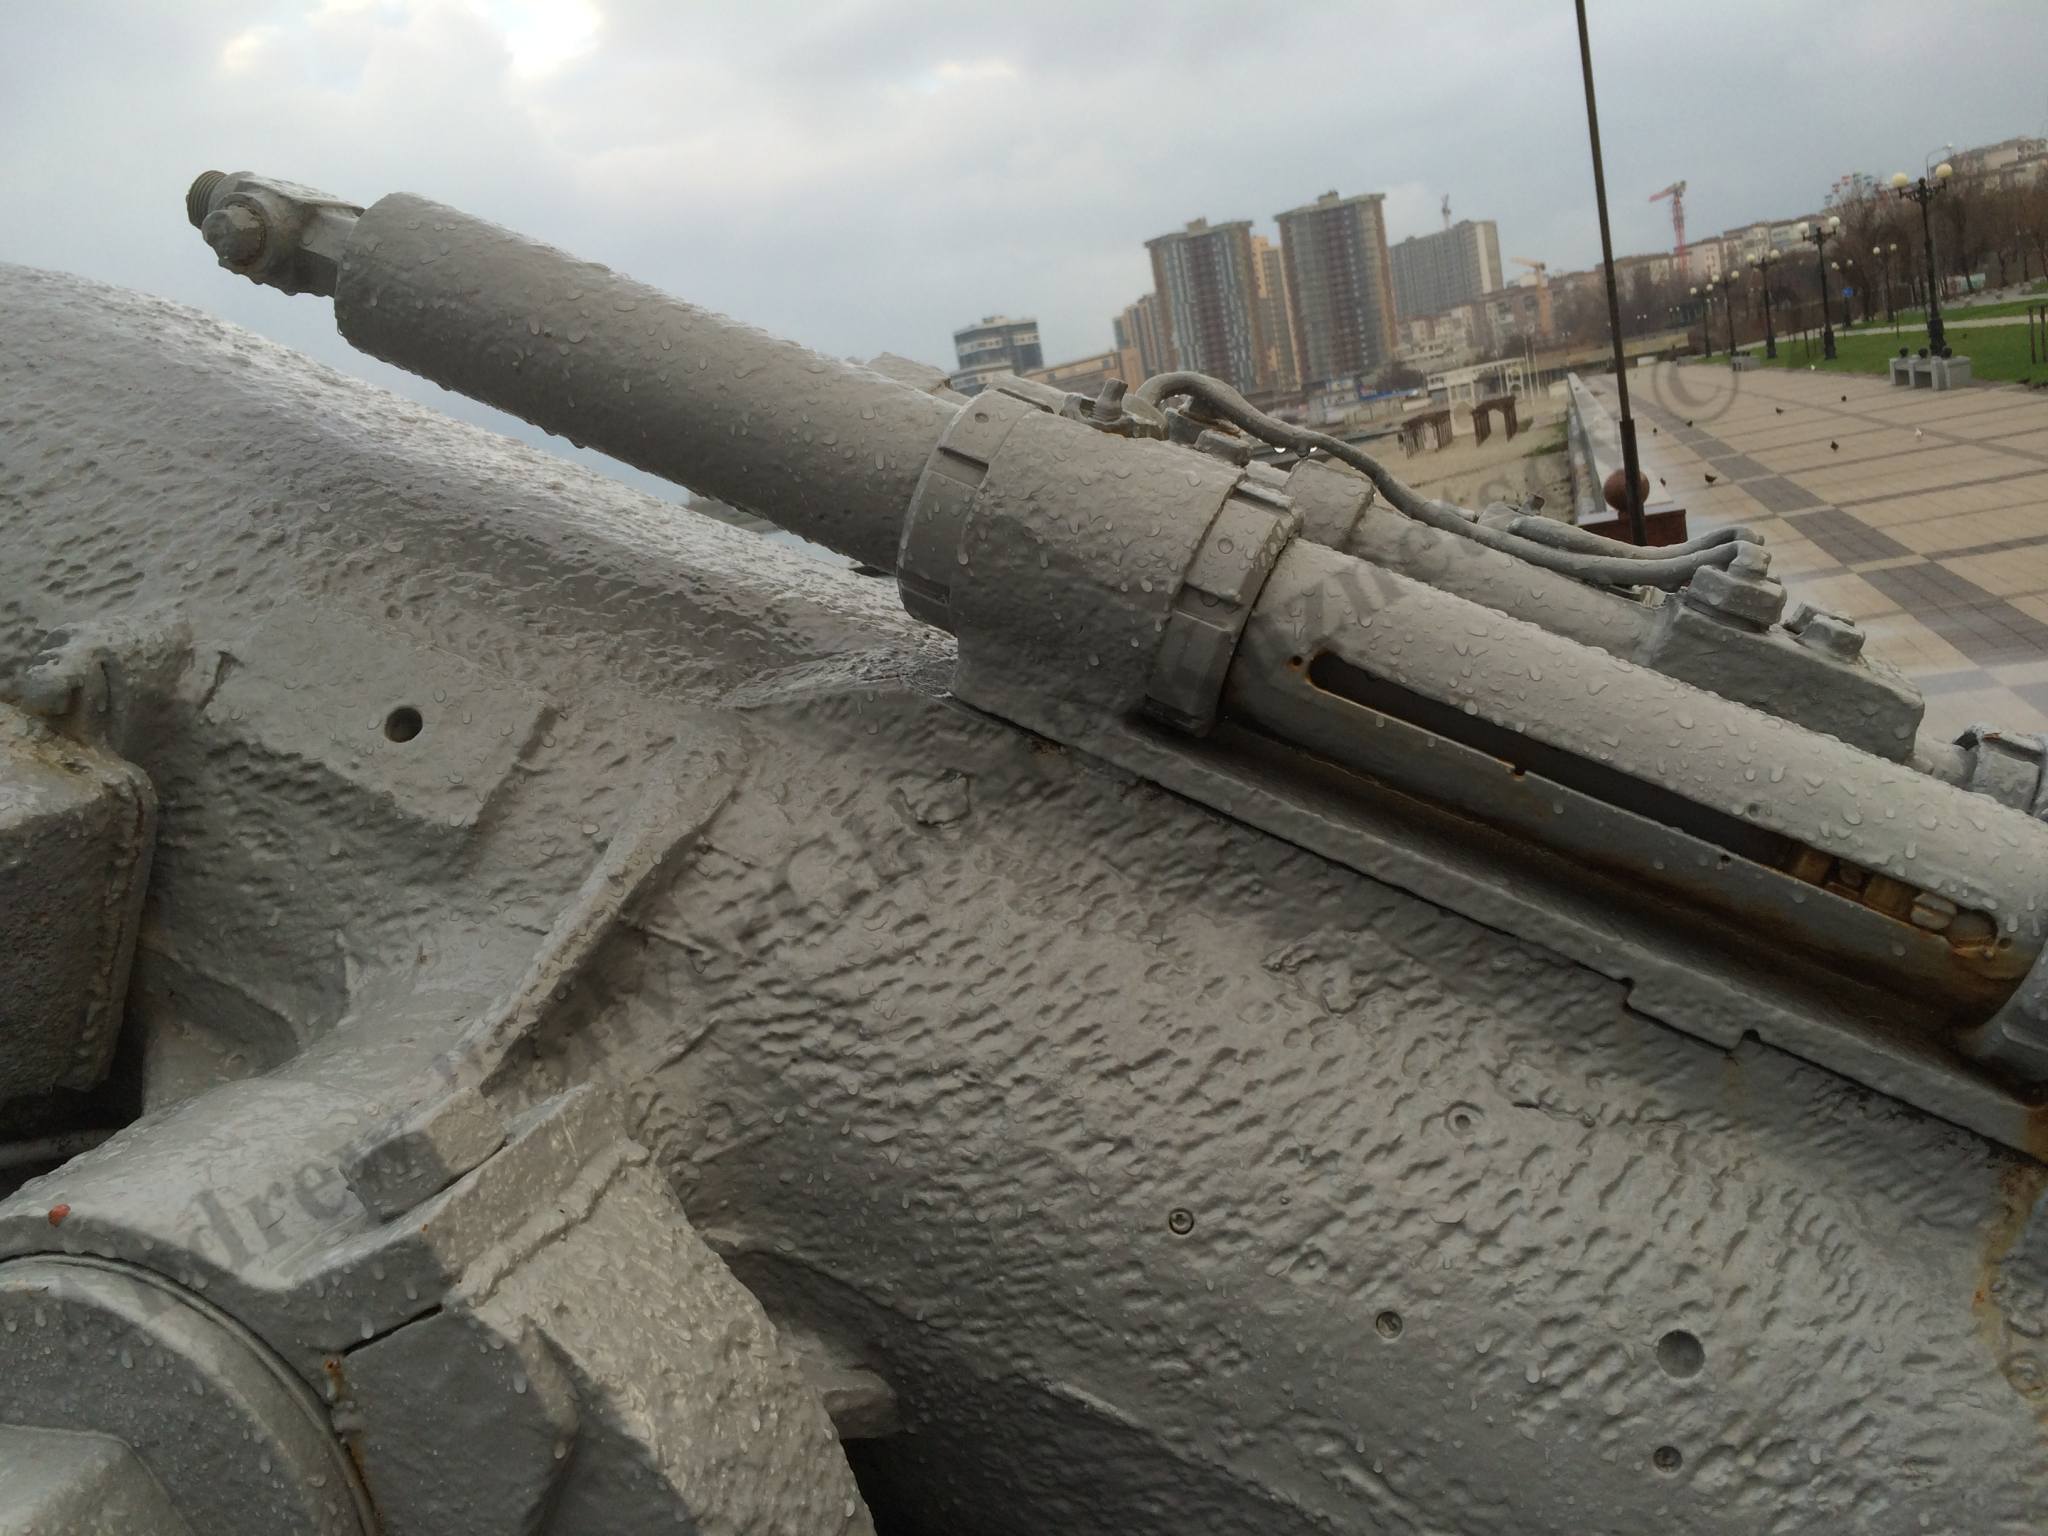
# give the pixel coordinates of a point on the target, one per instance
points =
(1731, 814)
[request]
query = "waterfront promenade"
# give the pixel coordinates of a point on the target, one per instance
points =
(1922, 516)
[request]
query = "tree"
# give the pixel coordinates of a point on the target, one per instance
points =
(1960, 216)
(1999, 228)
(1870, 227)
(1665, 305)
(1891, 245)
(2030, 223)
(1579, 311)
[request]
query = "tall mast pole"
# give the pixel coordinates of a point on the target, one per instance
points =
(1631, 467)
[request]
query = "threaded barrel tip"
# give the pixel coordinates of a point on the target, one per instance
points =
(200, 196)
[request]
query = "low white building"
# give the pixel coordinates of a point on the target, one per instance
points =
(1480, 381)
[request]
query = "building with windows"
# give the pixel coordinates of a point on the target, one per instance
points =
(1454, 266)
(1640, 279)
(1748, 240)
(1141, 329)
(1207, 280)
(1339, 287)
(2009, 161)
(1707, 259)
(1514, 316)
(995, 344)
(1276, 326)
(1445, 339)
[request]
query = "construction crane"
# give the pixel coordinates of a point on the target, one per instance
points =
(1540, 268)
(1676, 192)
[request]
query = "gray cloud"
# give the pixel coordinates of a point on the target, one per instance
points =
(866, 175)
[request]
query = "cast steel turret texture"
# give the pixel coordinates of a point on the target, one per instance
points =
(1172, 1178)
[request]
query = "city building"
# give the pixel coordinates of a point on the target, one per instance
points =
(1446, 339)
(1748, 240)
(1276, 326)
(2009, 160)
(1087, 375)
(1141, 328)
(995, 344)
(1504, 320)
(1453, 266)
(1709, 258)
(1640, 278)
(1577, 293)
(1513, 315)
(1340, 289)
(1207, 280)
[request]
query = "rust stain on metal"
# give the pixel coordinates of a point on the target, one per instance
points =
(2021, 1357)
(344, 1415)
(1973, 938)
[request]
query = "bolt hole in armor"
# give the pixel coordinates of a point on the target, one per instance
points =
(1234, 998)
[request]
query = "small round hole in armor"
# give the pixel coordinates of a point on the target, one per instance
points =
(403, 723)
(1681, 1354)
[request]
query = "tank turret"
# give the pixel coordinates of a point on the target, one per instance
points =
(1189, 987)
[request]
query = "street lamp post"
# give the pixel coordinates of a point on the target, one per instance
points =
(1923, 191)
(1705, 294)
(1761, 265)
(1819, 234)
(1885, 256)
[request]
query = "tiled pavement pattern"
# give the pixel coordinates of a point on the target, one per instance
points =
(1923, 517)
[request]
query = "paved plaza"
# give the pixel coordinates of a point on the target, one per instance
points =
(1922, 516)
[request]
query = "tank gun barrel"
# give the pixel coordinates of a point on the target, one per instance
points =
(821, 447)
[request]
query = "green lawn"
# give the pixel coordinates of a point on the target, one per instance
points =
(2010, 309)
(1996, 352)
(1552, 441)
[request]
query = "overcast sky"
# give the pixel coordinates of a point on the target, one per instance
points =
(867, 175)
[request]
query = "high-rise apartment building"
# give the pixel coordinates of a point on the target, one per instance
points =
(1141, 329)
(1276, 327)
(995, 344)
(1207, 279)
(1340, 293)
(1433, 273)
